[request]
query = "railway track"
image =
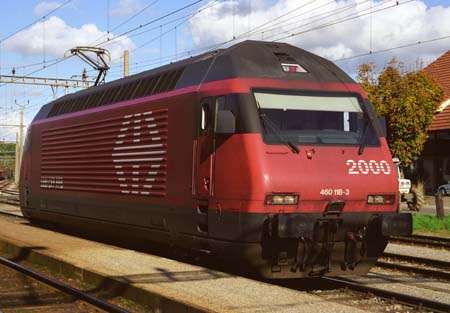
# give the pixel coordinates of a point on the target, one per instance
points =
(393, 261)
(391, 296)
(23, 289)
(404, 263)
(421, 240)
(424, 266)
(3, 183)
(7, 195)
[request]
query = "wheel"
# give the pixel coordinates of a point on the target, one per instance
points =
(443, 192)
(417, 201)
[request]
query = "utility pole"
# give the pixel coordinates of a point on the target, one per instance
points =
(16, 178)
(126, 63)
(20, 151)
(17, 164)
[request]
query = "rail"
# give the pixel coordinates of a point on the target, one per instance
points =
(433, 241)
(8, 195)
(441, 269)
(66, 289)
(418, 302)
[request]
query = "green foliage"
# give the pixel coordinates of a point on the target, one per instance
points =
(7, 153)
(431, 223)
(408, 100)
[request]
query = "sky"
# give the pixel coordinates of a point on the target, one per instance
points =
(36, 36)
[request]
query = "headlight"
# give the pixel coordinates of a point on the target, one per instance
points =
(380, 199)
(282, 199)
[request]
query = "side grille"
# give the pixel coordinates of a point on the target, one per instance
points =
(131, 90)
(121, 155)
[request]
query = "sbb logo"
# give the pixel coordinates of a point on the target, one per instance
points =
(363, 167)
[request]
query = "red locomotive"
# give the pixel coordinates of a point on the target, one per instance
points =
(262, 153)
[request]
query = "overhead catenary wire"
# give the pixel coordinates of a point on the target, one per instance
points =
(241, 36)
(38, 70)
(218, 45)
(178, 54)
(35, 21)
(162, 35)
(108, 40)
(171, 13)
(59, 60)
(184, 18)
(248, 33)
(2, 40)
(135, 15)
(150, 22)
(345, 19)
(111, 40)
(140, 26)
(256, 29)
(421, 42)
(334, 23)
(124, 22)
(319, 16)
(213, 3)
(203, 9)
(17, 67)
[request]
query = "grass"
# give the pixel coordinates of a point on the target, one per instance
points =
(431, 224)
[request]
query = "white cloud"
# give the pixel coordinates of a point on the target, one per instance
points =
(125, 7)
(44, 7)
(60, 37)
(395, 26)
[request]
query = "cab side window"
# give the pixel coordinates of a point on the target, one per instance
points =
(205, 123)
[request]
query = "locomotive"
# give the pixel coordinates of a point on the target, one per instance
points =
(262, 153)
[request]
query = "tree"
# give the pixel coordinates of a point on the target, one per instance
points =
(7, 153)
(408, 100)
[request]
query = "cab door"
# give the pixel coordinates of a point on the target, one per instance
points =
(203, 178)
(205, 152)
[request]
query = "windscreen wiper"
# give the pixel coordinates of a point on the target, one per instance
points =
(362, 144)
(267, 121)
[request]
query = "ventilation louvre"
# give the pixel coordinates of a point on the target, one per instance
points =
(134, 89)
(284, 57)
(120, 155)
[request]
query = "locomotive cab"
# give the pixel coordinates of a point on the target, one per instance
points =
(302, 179)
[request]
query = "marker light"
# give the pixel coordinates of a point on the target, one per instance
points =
(282, 199)
(293, 68)
(380, 199)
(405, 184)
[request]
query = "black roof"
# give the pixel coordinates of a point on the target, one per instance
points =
(250, 59)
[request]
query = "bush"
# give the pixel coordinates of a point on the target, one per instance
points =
(431, 223)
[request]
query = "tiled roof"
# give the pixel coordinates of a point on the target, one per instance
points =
(441, 120)
(439, 70)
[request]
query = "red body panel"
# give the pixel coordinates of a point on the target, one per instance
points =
(116, 155)
(250, 177)
(245, 85)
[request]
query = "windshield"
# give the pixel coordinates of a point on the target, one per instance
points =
(314, 119)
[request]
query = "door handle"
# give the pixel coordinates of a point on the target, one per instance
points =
(206, 181)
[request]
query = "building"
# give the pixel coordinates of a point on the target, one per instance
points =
(435, 160)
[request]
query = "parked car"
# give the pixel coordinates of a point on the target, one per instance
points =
(444, 189)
